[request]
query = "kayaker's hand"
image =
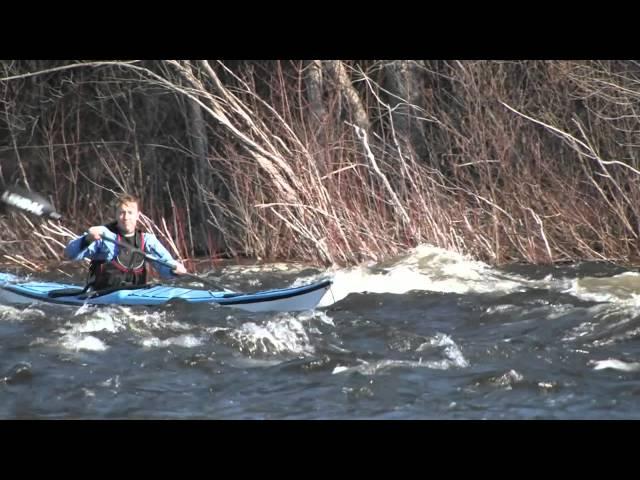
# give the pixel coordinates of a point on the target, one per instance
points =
(94, 233)
(179, 269)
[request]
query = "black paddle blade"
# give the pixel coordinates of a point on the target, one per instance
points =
(29, 202)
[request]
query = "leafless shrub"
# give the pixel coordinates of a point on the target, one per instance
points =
(326, 161)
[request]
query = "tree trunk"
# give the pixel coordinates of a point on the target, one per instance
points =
(403, 80)
(199, 145)
(341, 77)
(313, 82)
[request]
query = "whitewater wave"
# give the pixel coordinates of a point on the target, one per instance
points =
(425, 268)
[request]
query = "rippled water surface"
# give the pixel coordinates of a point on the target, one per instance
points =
(431, 335)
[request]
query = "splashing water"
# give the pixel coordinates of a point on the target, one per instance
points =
(615, 364)
(75, 342)
(113, 320)
(425, 268)
(20, 314)
(623, 288)
(486, 344)
(452, 353)
(186, 341)
(284, 335)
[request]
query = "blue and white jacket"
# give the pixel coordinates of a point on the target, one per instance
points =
(100, 250)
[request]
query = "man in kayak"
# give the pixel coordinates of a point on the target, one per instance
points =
(114, 266)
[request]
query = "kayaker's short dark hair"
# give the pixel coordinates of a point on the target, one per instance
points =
(126, 198)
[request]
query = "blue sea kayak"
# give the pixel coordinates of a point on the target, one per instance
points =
(306, 297)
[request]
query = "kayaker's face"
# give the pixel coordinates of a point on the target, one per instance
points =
(127, 215)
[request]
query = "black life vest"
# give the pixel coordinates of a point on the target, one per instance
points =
(126, 268)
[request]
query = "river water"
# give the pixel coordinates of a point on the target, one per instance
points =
(431, 335)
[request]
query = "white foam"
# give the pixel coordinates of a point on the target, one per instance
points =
(82, 342)
(508, 379)
(382, 366)
(98, 320)
(119, 318)
(451, 350)
(262, 268)
(617, 337)
(453, 359)
(88, 393)
(623, 288)
(426, 268)
(103, 322)
(507, 307)
(111, 382)
(309, 315)
(20, 314)
(186, 341)
(615, 364)
(585, 328)
(607, 320)
(114, 319)
(83, 309)
(339, 369)
(285, 334)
